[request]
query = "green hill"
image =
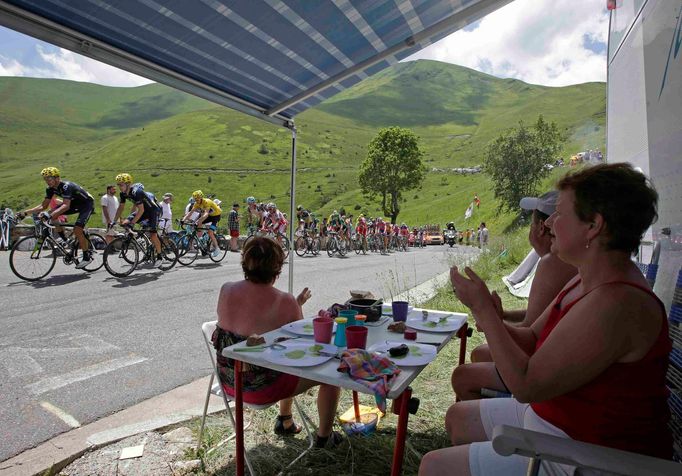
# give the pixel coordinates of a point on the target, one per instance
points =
(175, 142)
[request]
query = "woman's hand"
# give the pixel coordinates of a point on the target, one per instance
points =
(474, 293)
(303, 297)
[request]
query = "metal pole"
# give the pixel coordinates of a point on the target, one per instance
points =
(292, 207)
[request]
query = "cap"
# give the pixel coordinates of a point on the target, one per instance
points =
(169, 195)
(546, 203)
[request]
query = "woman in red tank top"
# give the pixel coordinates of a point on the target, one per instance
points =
(593, 365)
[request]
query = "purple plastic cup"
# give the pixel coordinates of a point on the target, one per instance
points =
(399, 310)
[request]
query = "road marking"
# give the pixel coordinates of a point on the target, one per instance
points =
(52, 383)
(18, 363)
(61, 414)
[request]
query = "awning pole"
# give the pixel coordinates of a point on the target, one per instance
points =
(292, 206)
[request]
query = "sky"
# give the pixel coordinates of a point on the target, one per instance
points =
(548, 42)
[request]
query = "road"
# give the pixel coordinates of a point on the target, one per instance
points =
(76, 346)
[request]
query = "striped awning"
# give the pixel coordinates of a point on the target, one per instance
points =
(269, 58)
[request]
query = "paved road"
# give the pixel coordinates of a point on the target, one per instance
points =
(76, 346)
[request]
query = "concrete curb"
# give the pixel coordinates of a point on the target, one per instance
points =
(180, 404)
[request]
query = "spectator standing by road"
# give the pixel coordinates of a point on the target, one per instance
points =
(109, 204)
(233, 222)
(166, 220)
(483, 235)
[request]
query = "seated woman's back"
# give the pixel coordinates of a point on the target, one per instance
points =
(247, 308)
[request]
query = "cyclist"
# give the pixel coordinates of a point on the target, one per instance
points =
(334, 222)
(382, 230)
(254, 215)
(361, 229)
(304, 216)
(405, 233)
(145, 208)
(274, 221)
(209, 214)
(75, 199)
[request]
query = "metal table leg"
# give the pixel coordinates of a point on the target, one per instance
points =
(401, 432)
(239, 416)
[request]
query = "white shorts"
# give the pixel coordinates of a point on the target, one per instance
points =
(484, 461)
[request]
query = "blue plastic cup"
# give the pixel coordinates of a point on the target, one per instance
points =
(399, 311)
(350, 315)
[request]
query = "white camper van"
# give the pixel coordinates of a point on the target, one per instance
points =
(644, 116)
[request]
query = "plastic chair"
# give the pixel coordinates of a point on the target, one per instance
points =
(509, 440)
(207, 329)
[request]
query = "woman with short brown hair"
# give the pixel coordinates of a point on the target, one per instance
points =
(255, 306)
(593, 366)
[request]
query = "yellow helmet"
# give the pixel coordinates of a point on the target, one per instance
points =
(124, 178)
(50, 172)
(198, 195)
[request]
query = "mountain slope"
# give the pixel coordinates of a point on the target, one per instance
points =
(175, 142)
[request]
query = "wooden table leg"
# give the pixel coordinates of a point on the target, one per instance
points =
(356, 406)
(401, 431)
(239, 416)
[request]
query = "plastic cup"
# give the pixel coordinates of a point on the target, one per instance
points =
(350, 315)
(360, 319)
(356, 337)
(322, 329)
(399, 310)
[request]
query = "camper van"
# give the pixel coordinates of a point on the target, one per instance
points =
(644, 118)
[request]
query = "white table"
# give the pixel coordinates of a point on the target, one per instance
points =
(327, 373)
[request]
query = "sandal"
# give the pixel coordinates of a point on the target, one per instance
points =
(328, 442)
(280, 429)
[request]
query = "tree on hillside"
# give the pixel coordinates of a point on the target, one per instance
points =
(516, 161)
(393, 165)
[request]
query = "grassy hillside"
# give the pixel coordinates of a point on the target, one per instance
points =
(175, 142)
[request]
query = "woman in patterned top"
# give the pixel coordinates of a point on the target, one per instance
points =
(255, 306)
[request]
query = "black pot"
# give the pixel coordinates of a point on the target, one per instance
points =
(369, 307)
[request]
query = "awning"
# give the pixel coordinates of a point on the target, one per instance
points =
(269, 58)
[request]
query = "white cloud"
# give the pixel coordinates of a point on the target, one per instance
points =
(64, 64)
(537, 41)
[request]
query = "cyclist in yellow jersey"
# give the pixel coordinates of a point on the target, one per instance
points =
(209, 216)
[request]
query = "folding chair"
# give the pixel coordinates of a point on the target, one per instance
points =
(587, 457)
(207, 329)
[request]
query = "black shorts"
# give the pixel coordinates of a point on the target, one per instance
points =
(149, 219)
(84, 212)
(211, 220)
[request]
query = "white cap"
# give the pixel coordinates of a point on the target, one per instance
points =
(545, 203)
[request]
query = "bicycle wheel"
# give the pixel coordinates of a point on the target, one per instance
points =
(331, 247)
(285, 245)
(342, 247)
(121, 256)
(315, 246)
(31, 261)
(97, 246)
(301, 246)
(169, 253)
(188, 250)
(222, 251)
(357, 246)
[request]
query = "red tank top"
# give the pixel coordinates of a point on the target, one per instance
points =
(626, 406)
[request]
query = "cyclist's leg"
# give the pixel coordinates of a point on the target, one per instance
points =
(81, 221)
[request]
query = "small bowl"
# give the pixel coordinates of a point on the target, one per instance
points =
(367, 425)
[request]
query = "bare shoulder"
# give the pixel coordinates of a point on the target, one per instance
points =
(556, 271)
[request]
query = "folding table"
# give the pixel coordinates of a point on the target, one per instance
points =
(400, 393)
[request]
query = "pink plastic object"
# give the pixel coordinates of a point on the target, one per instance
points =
(322, 329)
(356, 337)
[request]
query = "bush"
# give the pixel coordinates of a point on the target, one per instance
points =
(155, 174)
(263, 149)
(357, 207)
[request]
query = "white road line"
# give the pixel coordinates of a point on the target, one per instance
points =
(52, 383)
(18, 363)
(61, 414)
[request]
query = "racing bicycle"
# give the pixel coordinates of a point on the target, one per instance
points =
(190, 244)
(33, 257)
(134, 247)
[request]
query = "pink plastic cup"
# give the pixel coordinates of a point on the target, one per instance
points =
(322, 329)
(356, 337)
